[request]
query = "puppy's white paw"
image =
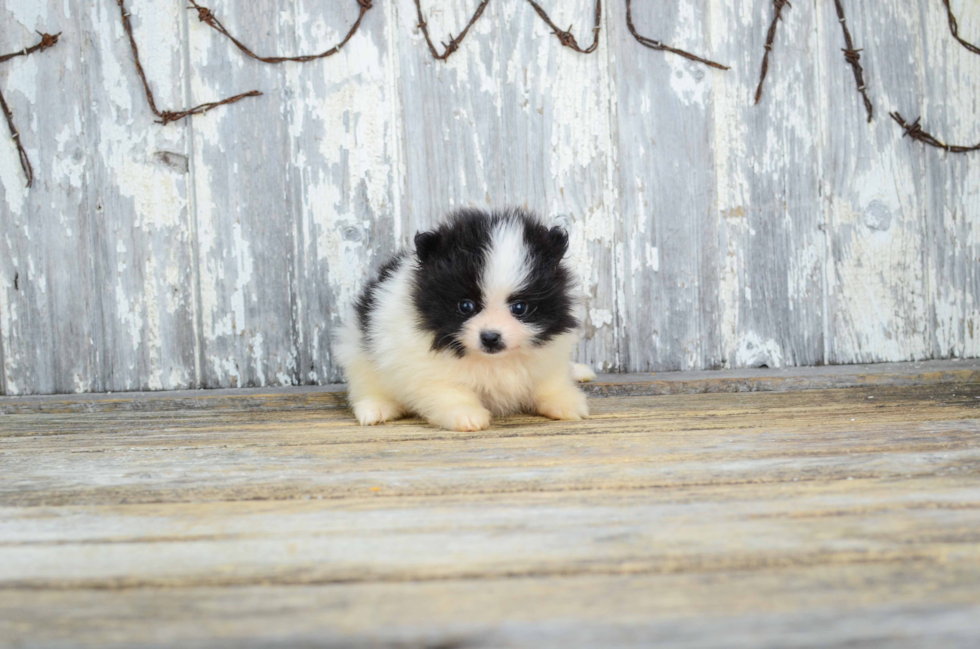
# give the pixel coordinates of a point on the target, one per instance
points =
(375, 411)
(464, 419)
(571, 405)
(582, 373)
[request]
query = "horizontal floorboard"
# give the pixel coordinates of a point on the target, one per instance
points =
(816, 517)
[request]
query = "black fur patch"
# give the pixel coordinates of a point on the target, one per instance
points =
(548, 291)
(367, 301)
(451, 261)
(450, 264)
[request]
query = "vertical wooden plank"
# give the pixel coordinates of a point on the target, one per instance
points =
(245, 214)
(100, 245)
(342, 172)
(50, 317)
(666, 219)
(951, 86)
(450, 110)
(770, 250)
(141, 230)
(879, 189)
(556, 117)
(965, 194)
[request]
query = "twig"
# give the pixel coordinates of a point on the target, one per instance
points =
(47, 40)
(770, 37)
(565, 37)
(206, 16)
(454, 41)
(914, 131)
(658, 45)
(853, 57)
(167, 116)
(954, 29)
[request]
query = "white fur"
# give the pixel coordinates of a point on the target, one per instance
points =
(582, 373)
(507, 267)
(396, 372)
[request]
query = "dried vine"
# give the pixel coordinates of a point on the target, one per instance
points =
(853, 57)
(658, 45)
(167, 116)
(914, 131)
(566, 37)
(454, 41)
(47, 40)
(770, 37)
(206, 16)
(954, 29)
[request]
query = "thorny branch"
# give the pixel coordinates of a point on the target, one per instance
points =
(853, 57)
(770, 37)
(914, 131)
(454, 41)
(205, 15)
(657, 45)
(47, 40)
(566, 37)
(167, 116)
(954, 29)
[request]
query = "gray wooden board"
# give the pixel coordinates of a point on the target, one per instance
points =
(805, 518)
(50, 287)
(223, 250)
(626, 611)
(667, 236)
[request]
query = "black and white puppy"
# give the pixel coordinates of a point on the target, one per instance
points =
(478, 321)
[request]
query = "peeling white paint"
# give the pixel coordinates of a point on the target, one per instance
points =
(600, 317)
(31, 14)
(688, 80)
(753, 351)
(512, 117)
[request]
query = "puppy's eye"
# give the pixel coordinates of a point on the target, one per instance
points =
(518, 308)
(466, 307)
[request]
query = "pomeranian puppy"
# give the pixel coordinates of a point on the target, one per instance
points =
(479, 321)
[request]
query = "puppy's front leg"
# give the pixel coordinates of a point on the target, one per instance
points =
(453, 408)
(557, 397)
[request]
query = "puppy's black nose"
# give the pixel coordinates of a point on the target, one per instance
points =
(491, 341)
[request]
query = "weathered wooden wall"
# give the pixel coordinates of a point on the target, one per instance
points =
(708, 232)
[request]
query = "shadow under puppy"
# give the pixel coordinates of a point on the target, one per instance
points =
(477, 322)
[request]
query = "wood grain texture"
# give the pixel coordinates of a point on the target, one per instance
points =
(900, 224)
(814, 517)
(222, 251)
(667, 238)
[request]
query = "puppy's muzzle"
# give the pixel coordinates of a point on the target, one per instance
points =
(491, 341)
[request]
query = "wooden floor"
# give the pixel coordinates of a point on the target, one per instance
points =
(801, 518)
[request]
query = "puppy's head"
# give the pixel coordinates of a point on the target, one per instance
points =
(489, 284)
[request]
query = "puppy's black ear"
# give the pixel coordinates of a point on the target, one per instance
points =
(557, 243)
(426, 245)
